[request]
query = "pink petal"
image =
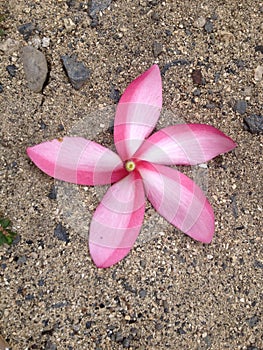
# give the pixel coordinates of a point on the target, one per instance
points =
(186, 144)
(179, 200)
(117, 221)
(77, 160)
(138, 112)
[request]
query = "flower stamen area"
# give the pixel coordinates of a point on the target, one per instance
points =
(130, 165)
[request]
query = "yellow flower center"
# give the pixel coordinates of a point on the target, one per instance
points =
(130, 165)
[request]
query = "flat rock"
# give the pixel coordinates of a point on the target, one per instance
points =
(35, 68)
(77, 72)
(254, 124)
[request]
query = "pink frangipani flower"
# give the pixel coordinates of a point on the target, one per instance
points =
(138, 169)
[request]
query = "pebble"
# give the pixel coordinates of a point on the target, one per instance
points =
(252, 322)
(35, 68)
(52, 193)
(115, 94)
(11, 68)
(77, 72)
(26, 29)
(258, 73)
(21, 260)
(240, 106)
(254, 124)
(118, 337)
(98, 5)
(1, 88)
(142, 293)
(50, 346)
(61, 233)
(35, 41)
(197, 76)
(200, 22)
(157, 48)
(259, 48)
(209, 26)
(88, 324)
(9, 46)
(69, 24)
(126, 343)
(197, 92)
(45, 42)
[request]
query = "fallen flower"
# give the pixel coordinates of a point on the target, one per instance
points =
(138, 168)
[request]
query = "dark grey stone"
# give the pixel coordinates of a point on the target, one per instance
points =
(142, 293)
(258, 264)
(240, 106)
(11, 69)
(52, 193)
(209, 26)
(26, 29)
(21, 260)
(88, 324)
(197, 92)
(115, 94)
(1, 88)
(77, 72)
(50, 346)
(41, 282)
(118, 337)
(252, 322)
(254, 124)
(126, 343)
(61, 233)
(234, 206)
(259, 48)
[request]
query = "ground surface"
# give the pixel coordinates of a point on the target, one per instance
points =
(170, 292)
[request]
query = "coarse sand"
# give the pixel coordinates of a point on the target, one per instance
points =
(170, 292)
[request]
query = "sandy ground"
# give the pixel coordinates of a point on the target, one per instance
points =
(170, 292)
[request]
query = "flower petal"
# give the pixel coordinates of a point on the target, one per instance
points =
(179, 200)
(138, 112)
(77, 160)
(185, 144)
(117, 221)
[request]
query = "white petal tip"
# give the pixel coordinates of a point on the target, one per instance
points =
(104, 257)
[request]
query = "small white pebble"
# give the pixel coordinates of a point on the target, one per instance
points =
(45, 41)
(209, 257)
(203, 165)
